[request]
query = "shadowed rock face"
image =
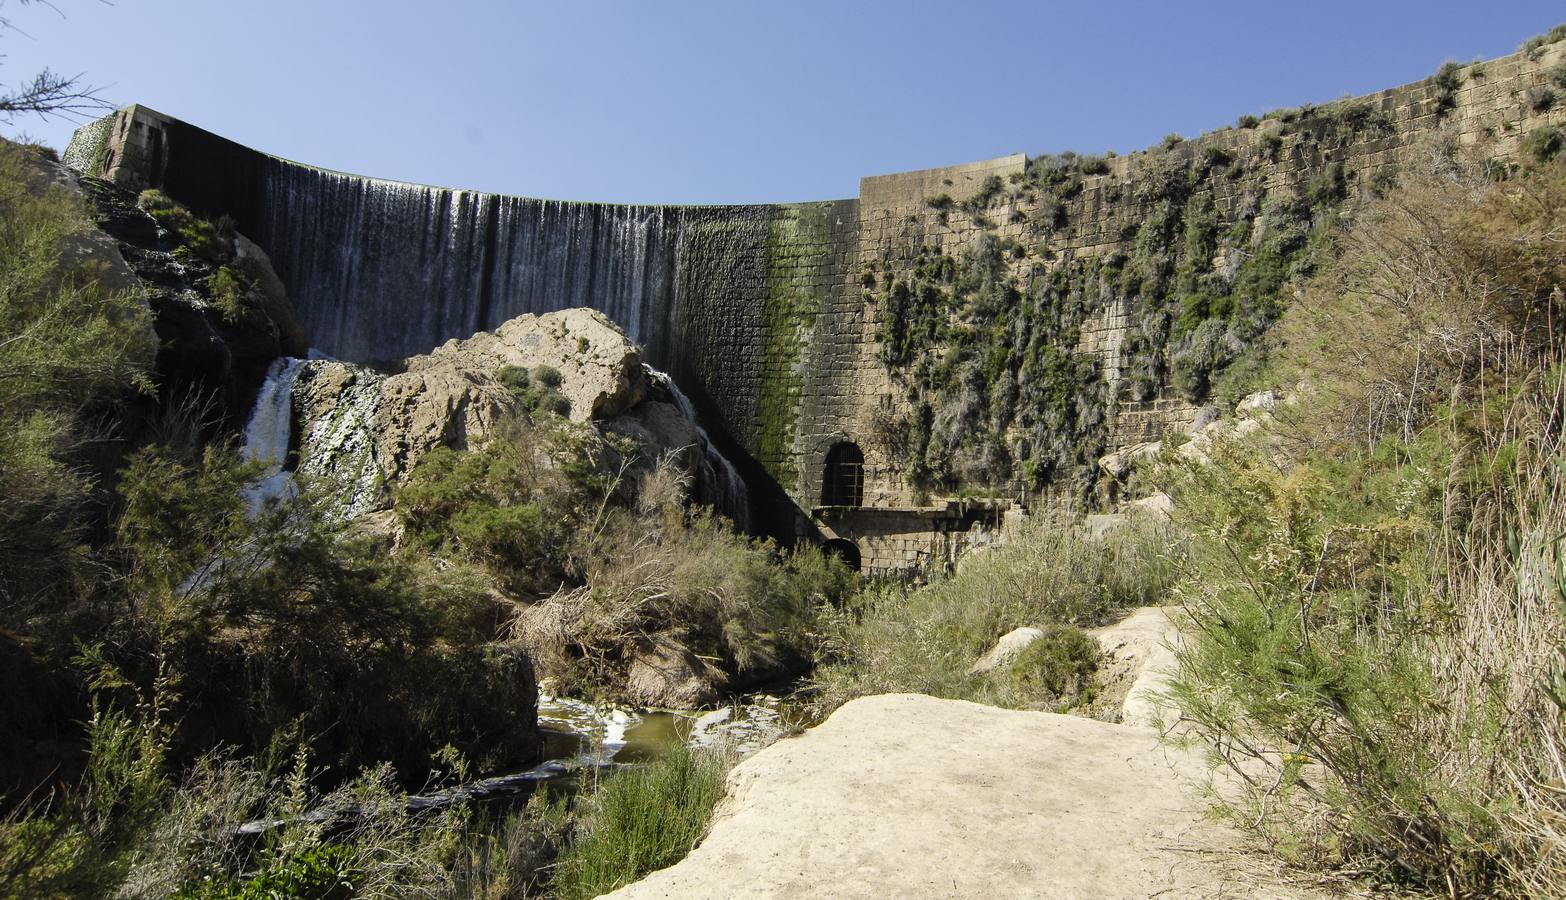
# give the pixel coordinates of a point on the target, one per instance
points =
(200, 350)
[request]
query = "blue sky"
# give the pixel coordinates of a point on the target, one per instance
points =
(728, 101)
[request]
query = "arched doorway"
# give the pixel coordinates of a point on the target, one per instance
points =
(845, 550)
(843, 481)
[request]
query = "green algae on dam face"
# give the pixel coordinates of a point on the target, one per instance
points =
(797, 238)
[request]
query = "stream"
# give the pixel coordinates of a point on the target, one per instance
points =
(579, 736)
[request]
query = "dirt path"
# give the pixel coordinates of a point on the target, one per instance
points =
(909, 796)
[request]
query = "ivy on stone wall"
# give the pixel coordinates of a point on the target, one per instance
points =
(994, 396)
(984, 340)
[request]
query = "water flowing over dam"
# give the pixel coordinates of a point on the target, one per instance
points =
(379, 269)
(738, 303)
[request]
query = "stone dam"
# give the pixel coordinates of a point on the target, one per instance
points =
(773, 318)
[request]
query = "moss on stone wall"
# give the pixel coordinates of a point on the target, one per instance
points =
(791, 306)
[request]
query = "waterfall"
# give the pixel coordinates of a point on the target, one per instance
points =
(735, 496)
(268, 432)
(381, 269)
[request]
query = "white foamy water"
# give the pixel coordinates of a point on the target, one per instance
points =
(268, 432)
(735, 499)
(745, 728)
(603, 728)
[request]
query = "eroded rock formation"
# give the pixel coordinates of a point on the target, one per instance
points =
(368, 427)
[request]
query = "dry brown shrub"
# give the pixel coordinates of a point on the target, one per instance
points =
(1449, 277)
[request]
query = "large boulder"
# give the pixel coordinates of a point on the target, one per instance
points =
(1006, 649)
(601, 369)
(664, 673)
(355, 417)
(369, 427)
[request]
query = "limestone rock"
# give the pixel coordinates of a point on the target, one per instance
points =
(1157, 504)
(911, 796)
(1137, 667)
(272, 294)
(1006, 649)
(1208, 414)
(432, 406)
(658, 428)
(1257, 404)
(1124, 461)
(1116, 465)
(664, 673)
(601, 369)
(357, 419)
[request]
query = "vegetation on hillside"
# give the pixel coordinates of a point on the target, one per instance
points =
(983, 340)
(1375, 604)
(183, 658)
(1375, 592)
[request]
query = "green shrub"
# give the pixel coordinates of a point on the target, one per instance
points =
(71, 352)
(1366, 624)
(537, 392)
(514, 379)
(1059, 665)
(307, 621)
(1541, 98)
(1447, 80)
(209, 242)
(641, 820)
(548, 376)
(1094, 165)
(1449, 77)
(153, 201)
(1543, 143)
(229, 293)
(1271, 145)
(323, 872)
(499, 506)
(1533, 48)
(1172, 140)
(657, 567)
(1215, 157)
(1248, 121)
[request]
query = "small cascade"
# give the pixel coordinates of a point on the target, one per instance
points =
(735, 499)
(268, 432)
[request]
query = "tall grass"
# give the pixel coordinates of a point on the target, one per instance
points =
(1374, 605)
(132, 833)
(926, 640)
(641, 820)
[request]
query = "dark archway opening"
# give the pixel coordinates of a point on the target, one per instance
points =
(843, 482)
(845, 550)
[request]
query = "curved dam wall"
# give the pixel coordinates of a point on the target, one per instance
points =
(774, 318)
(728, 299)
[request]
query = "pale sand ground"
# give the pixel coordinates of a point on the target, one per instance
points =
(909, 796)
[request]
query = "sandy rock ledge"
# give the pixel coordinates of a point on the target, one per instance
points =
(910, 796)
